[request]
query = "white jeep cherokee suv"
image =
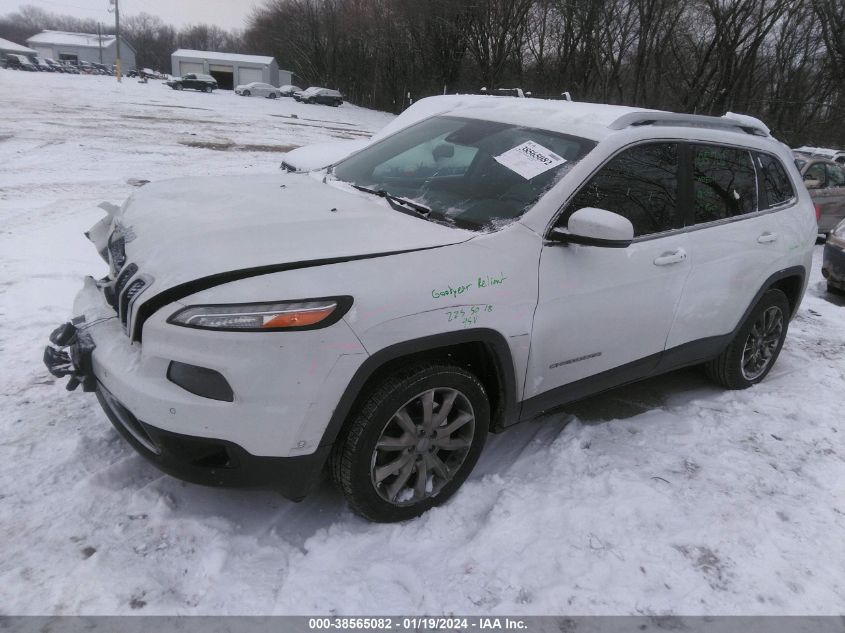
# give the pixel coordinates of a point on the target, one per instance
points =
(476, 269)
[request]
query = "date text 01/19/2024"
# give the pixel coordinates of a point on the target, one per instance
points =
(417, 623)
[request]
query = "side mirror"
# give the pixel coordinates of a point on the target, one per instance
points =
(444, 150)
(812, 183)
(595, 227)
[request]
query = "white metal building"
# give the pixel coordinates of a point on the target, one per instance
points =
(8, 47)
(83, 47)
(229, 69)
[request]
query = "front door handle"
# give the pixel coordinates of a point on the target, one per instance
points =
(672, 257)
(767, 238)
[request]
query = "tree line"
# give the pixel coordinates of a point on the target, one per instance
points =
(780, 60)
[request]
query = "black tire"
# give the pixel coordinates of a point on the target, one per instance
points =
(354, 462)
(208, 88)
(729, 369)
(178, 87)
(272, 95)
(246, 93)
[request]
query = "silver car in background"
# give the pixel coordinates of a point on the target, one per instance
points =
(825, 180)
(257, 89)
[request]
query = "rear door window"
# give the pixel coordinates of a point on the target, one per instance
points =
(816, 171)
(724, 183)
(835, 176)
(641, 184)
(775, 182)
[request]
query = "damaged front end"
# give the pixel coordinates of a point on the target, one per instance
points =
(71, 346)
(69, 354)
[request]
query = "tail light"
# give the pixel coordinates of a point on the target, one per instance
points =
(818, 211)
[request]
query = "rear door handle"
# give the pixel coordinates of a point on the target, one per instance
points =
(673, 257)
(767, 238)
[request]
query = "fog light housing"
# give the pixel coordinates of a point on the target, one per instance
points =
(200, 381)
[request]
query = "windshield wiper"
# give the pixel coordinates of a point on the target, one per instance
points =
(395, 200)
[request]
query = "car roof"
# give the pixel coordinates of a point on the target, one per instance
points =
(597, 121)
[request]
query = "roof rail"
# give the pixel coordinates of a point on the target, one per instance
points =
(688, 120)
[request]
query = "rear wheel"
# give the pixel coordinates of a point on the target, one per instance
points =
(272, 95)
(412, 443)
(755, 348)
(178, 87)
(208, 88)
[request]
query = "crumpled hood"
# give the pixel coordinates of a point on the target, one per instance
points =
(186, 229)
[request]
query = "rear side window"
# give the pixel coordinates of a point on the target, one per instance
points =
(816, 171)
(835, 176)
(724, 183)
(640, 184)
(776, 183)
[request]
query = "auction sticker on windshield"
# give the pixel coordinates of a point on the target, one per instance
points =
(529, 159)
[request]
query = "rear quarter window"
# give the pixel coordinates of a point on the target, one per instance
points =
(776, 184)
(724, 183)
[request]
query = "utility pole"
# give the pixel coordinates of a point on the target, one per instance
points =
(100, 40)
(118, 69)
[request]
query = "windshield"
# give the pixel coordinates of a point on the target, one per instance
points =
(476, 174)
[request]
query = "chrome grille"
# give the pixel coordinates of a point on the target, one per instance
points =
(123, 278)
(117, 250)
(132, 291)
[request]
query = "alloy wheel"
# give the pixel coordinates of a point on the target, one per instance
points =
(762, 343)
(422, 446)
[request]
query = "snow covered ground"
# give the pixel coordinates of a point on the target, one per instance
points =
(669, 496)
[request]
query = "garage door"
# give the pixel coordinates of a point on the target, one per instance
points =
(190, 67)
(248, 75)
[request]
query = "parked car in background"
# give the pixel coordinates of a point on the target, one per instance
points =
(257, 89)
(833, 262)
(825, 179)
(41, 64)
(325, 96)
(193, 81)
(56, 66)
(288, 90)
(302, 95)
(69, 68)
(837, 155)
(18, 62)
(102, 68)
(87, 68)
(485, 266)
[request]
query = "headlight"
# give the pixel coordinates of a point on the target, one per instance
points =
(262, 317)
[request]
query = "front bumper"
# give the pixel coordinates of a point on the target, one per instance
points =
(833, 265)
(212, 462)
(270, 435)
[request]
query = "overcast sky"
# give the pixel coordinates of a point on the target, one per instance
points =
(225, 13)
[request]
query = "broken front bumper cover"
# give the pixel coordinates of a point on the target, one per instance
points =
(69, 354)
(202, 460)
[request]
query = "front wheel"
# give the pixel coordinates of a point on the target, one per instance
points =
(412, 443)
(272, 95)
(246, 93)
(755, 348)
(208, 88)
